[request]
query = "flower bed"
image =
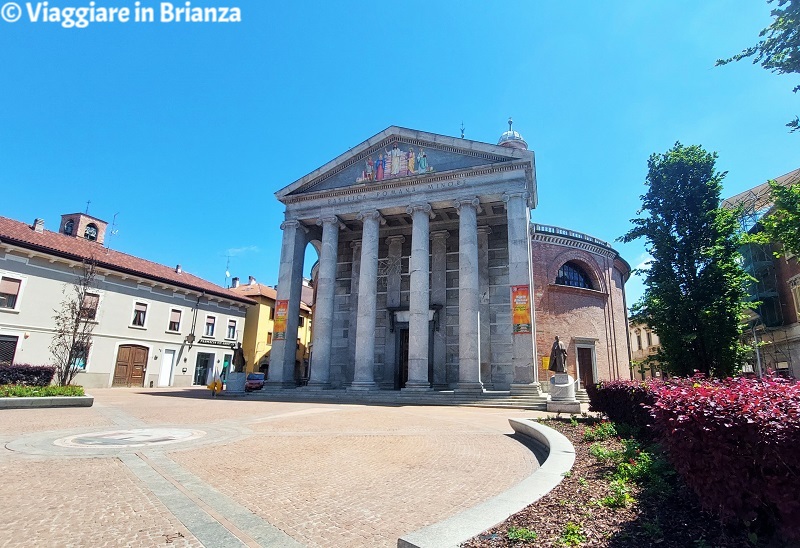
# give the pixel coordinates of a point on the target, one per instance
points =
(22, 391)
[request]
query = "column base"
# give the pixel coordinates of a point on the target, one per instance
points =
(469, 388)
(532, 389)
(316, 386)
(416, 387)
(358, 386)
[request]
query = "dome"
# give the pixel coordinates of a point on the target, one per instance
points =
(512, 139)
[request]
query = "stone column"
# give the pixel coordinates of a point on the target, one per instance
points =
(469, 374)
(355, 272)
(364, 377)
(390, 371)
(290, 281)
(439, 297)
(419, 298)
(320, 374)
(523, 360)
(485, 312)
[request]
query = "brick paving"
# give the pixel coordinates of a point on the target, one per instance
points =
(325, 474)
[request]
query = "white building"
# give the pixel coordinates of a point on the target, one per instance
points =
(155, 325)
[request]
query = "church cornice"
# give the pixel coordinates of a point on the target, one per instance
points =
(411, 181)
(568, 241)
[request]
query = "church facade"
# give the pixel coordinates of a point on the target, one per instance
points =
(427, 273)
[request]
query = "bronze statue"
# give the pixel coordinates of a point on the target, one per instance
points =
(239, 363)
(558, 357)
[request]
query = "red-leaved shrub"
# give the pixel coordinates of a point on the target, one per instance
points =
(736, 443)
(30, 375)
(623, 401)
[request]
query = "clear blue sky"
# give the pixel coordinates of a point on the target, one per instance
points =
(187, 130)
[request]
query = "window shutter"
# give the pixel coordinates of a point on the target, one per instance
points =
(140, 307)
(175, 316)
(9, 286)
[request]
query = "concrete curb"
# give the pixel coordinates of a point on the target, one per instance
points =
(453, 531)
(53, 401)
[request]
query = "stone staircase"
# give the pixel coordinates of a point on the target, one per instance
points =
(499, 399)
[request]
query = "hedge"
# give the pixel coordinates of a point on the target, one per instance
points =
(28, 375)
(734, 442)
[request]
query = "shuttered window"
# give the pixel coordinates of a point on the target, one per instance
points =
(175, 320)
(9, 290)
(231, 329)
(8, 347)
(211, 321)
(139, 314)
(89, 306)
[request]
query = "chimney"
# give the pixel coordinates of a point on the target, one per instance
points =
(235, 282)
(252, 281)
(38, 225)
(178, 269)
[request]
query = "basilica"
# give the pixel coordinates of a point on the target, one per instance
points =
(432, 275)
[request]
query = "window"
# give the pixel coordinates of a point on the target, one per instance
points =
(639, 340)
(794, 285)
(231, 329)
(301, 322)
(649, 338)
(8, 348)
(175, 320)
(79, 356)
(91, 232)
(89, 306)
(139, 314)
(9, 291)
(69, 228)
(269, 338)
(574, 276)
(210, 323)
(272, 313)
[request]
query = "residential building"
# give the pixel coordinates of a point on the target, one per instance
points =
(155, 325)
(644, 343)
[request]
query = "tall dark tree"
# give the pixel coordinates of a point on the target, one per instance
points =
(695, 287)
(74, 323)
(779, 47)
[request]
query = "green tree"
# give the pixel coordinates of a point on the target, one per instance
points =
(779, 47)
(783, 222)
(695, 287)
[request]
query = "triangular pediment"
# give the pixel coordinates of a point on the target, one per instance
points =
(400, 154)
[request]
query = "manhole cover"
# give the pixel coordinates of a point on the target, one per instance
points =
(142, 437)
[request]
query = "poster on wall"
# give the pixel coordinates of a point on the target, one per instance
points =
(281, 310)
(521, 307)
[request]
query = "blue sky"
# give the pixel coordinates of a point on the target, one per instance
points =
(185, 131)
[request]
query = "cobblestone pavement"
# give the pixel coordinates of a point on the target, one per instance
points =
(264, 474)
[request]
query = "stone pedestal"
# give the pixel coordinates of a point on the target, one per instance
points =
(235, 383)
(562, 395)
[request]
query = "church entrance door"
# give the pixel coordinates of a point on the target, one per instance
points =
(586, 366)
(402, 360)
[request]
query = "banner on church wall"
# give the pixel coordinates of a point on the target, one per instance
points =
(521, 309)
(281, 311)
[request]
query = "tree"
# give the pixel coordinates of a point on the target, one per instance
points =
(695, 288)
(782, 224)
(74, 323)
(779, 49)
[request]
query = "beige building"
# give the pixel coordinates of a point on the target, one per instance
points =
(260, 327)
(155, 325)
(644, 343)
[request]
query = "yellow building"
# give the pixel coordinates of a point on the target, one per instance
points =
(260, 328)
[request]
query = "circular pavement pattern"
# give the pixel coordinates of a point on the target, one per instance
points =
(140, 437)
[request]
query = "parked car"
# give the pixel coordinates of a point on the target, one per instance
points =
(255, 381)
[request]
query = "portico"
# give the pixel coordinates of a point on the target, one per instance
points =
(421, 238)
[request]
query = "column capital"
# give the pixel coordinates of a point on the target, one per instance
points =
(395, 239)
(508, 196)
(332, 219)
(484, 230)
(355, 244)
(440, 234)
(426, 208)
(293, 223)
(371, 214)
(468, 201)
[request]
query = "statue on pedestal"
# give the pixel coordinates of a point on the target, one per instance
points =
(239, 362)
(558, 357)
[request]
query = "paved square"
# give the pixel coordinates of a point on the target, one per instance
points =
(263, 473)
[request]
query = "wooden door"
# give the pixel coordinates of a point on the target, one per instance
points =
(131, 364)
(585, 366)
